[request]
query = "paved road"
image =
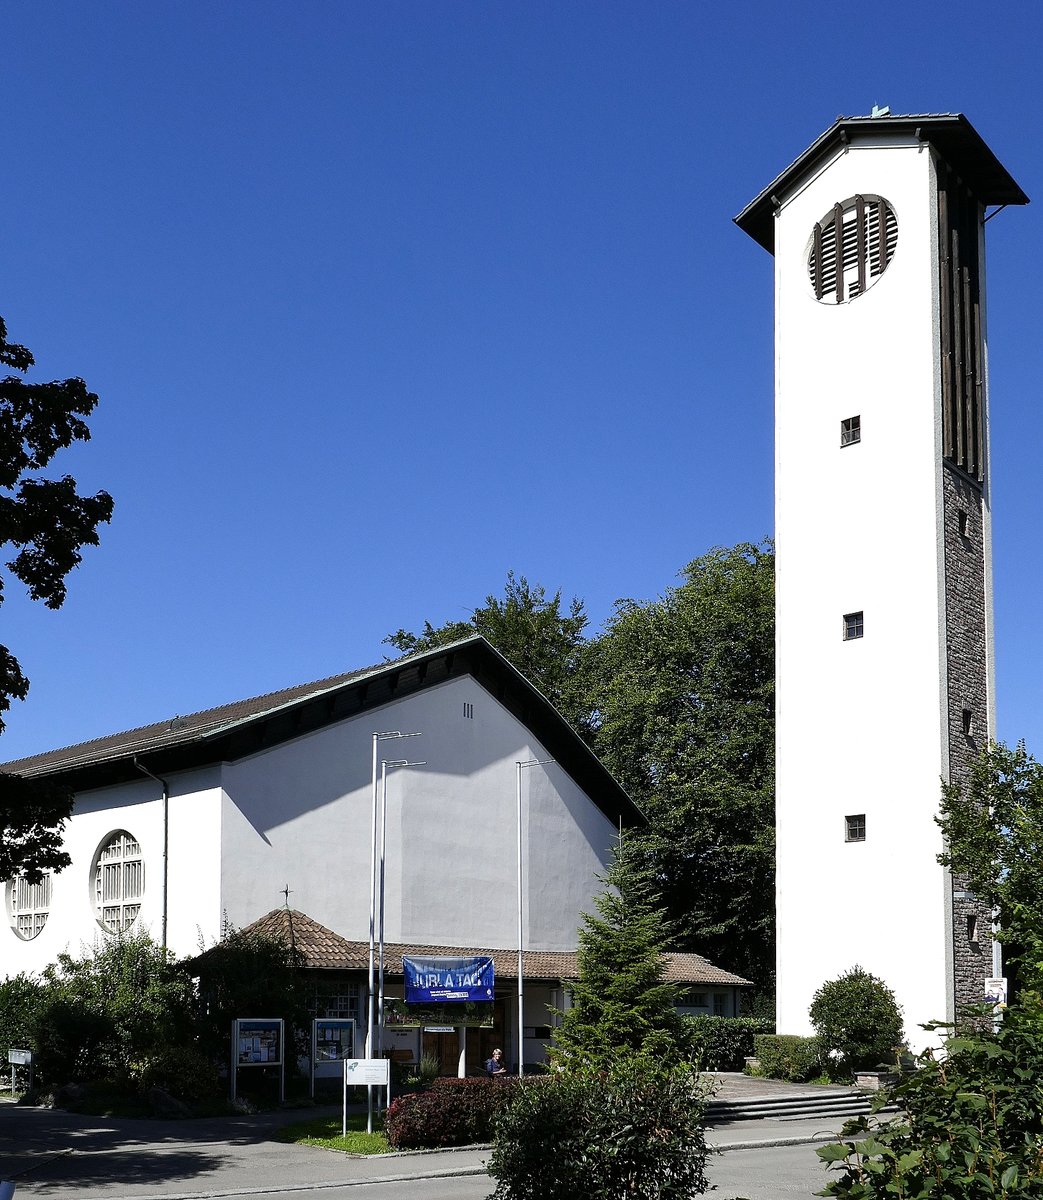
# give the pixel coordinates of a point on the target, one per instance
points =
(58, 1156)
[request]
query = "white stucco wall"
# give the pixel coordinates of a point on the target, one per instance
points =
(860, 723)
(194, 884)
(299, 816)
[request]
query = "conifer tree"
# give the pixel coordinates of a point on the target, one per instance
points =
(621, 1002)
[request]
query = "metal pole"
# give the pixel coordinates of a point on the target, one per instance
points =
(521, 982)
(372, 919)
(380, 906)
(532, 762)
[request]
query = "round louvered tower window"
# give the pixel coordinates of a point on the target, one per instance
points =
(851, 248)
(118, 881)
(28, 906)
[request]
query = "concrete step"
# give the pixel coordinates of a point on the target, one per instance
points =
(797, 1107)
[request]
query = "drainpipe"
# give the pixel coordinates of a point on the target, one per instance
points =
(166, 837)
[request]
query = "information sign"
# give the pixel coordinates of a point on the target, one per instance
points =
(259, 1043)
(365, 1072)
(20, 1058)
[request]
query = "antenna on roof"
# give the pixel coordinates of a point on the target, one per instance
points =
(885, 111)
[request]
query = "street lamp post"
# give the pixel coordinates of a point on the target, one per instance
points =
(394, 762)
(531, 762)
(377, 737)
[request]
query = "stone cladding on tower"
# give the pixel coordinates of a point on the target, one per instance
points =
(966, 654)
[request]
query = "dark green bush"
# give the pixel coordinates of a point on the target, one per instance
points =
(183, 1071)
(858, 1022)
(452, 1112)
(720, 1043)
(109, 1008)
(632, 1129)
(786, 1056)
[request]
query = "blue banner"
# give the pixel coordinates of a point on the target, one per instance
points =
(452, 980)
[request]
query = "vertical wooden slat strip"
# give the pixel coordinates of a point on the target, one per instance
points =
(970, 463)
(818, 260)
(945, 317)
(881, 231)
(957, 345)
(979, 391)
(860, 241)
(838, 239)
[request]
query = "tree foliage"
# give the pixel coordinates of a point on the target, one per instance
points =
(46, 522)
(529, 629)
(109, 1008)
(993, 830)
(620, 1002)
(680, 695)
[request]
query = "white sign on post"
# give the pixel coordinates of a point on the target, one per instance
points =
(19, 1058)
(364, 1072)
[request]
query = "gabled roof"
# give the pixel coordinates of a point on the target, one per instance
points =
(951, 134)
(322, 949)
(244, 727)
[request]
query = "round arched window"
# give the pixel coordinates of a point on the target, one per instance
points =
(28, 906)
(851, 248)
(118, 881)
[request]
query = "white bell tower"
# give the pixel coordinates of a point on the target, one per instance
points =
(883, 606)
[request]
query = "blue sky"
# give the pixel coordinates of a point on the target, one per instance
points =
(385, 300)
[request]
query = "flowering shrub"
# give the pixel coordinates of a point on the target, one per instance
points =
(453, 1112)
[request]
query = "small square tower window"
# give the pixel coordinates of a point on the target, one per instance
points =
(850, 431)
(855, 828)
(964, 524)
(968, 722)
(973, 936)
(853, 626)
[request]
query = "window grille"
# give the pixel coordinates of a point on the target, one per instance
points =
(862, 234)
(119, 881)
(850, 431)
(855, 828)
(854, 626)
(29, 905)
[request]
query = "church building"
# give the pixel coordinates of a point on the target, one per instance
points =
(261, 813)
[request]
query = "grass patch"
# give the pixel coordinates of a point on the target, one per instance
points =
(325, 1131)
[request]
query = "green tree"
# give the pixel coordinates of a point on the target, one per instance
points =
(111, 1007)
(46, 522)
(529, 629)
(680, 706)
(620, 1002)
(993, 830)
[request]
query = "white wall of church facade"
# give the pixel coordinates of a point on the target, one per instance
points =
(193, 896)
(298, 816)
(860, 723)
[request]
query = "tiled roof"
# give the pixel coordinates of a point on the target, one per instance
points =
(245, 727)
(175, 731)
(323, 949)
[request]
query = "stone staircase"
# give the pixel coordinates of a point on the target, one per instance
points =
(828, 1103)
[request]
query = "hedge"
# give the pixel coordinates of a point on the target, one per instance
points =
(722, 1043)
(786, 1056)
